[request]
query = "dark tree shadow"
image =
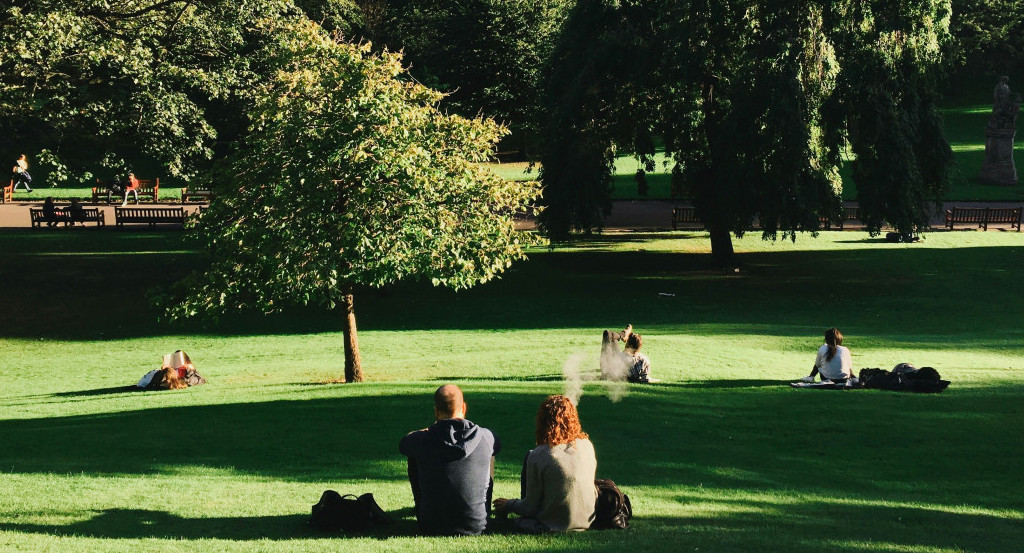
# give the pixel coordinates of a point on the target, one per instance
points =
(532, 378)
(99, 391)
(720, 384)
(141, 523)
(777, 289)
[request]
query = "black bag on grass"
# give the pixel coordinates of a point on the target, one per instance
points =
(612, 509)
(347, 513)
(904, 378)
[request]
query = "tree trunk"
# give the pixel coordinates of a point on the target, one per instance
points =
(353, 365)
(721, 246)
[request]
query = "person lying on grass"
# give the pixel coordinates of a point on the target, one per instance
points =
(628, 364)
(176, 372)
(557, 481)
(451, 468)
(833, 361)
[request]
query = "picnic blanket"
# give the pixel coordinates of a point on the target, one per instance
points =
(827, 385)
(903, 378)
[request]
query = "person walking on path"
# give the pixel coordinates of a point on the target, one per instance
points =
(21, 174)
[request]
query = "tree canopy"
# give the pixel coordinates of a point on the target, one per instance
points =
(350, 175)
(486, 55)
(754, 100)
(107, 81)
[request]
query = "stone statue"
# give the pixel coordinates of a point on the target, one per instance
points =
(998, 167)
(1005, 106)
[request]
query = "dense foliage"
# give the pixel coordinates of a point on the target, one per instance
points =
(486, 55)
(100, 82)
(351, 176)
(755, 101)
(989, 38)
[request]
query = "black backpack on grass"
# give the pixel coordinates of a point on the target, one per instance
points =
(904, 378)
(347, 513)
(612, 509)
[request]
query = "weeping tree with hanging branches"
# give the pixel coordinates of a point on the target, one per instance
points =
(350, 176)
(755, 101)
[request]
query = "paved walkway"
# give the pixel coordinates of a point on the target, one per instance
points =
(15, 214)
(626, 214)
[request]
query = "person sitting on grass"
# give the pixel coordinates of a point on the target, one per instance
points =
(628, 364)
(176, 372)
(833, 362)
(451, 468)
(557, 481)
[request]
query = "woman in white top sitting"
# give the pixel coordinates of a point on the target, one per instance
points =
(833, 362)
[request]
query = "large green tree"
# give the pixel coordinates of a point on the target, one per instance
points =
(487, 56)
(108, 81)
(754, 100)
(351, 176)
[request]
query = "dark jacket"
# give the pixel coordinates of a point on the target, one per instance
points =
(450, 473)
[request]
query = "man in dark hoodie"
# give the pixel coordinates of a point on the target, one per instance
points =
(451, 468)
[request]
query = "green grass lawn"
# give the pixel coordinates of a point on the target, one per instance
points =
(722, 456)
(63, 194)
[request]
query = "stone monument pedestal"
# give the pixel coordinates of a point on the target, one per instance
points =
(999, 168)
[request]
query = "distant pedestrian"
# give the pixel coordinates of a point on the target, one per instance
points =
(21, 174)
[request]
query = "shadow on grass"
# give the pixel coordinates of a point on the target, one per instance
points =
(804, 526)
(814, 526)
(726, 384)
(141, 523)
(76, 290)
(98, 392)
(776, 455)
(534, 378)
(761, 438)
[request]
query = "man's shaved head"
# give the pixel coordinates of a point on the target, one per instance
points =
(448, 402)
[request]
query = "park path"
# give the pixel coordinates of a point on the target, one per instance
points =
(626, 214)
(15, 214)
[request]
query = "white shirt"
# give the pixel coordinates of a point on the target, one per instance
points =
(841, 366)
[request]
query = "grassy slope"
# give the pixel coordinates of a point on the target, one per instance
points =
(722, 456)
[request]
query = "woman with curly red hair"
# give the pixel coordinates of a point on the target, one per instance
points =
(558, 492)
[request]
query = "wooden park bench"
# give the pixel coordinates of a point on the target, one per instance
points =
(848, 214)
(685, 215)
(984, 216)
(149, 215)
(148, 188)
(688, 215)
(7, 193)
(204, 194)
(89, 215)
